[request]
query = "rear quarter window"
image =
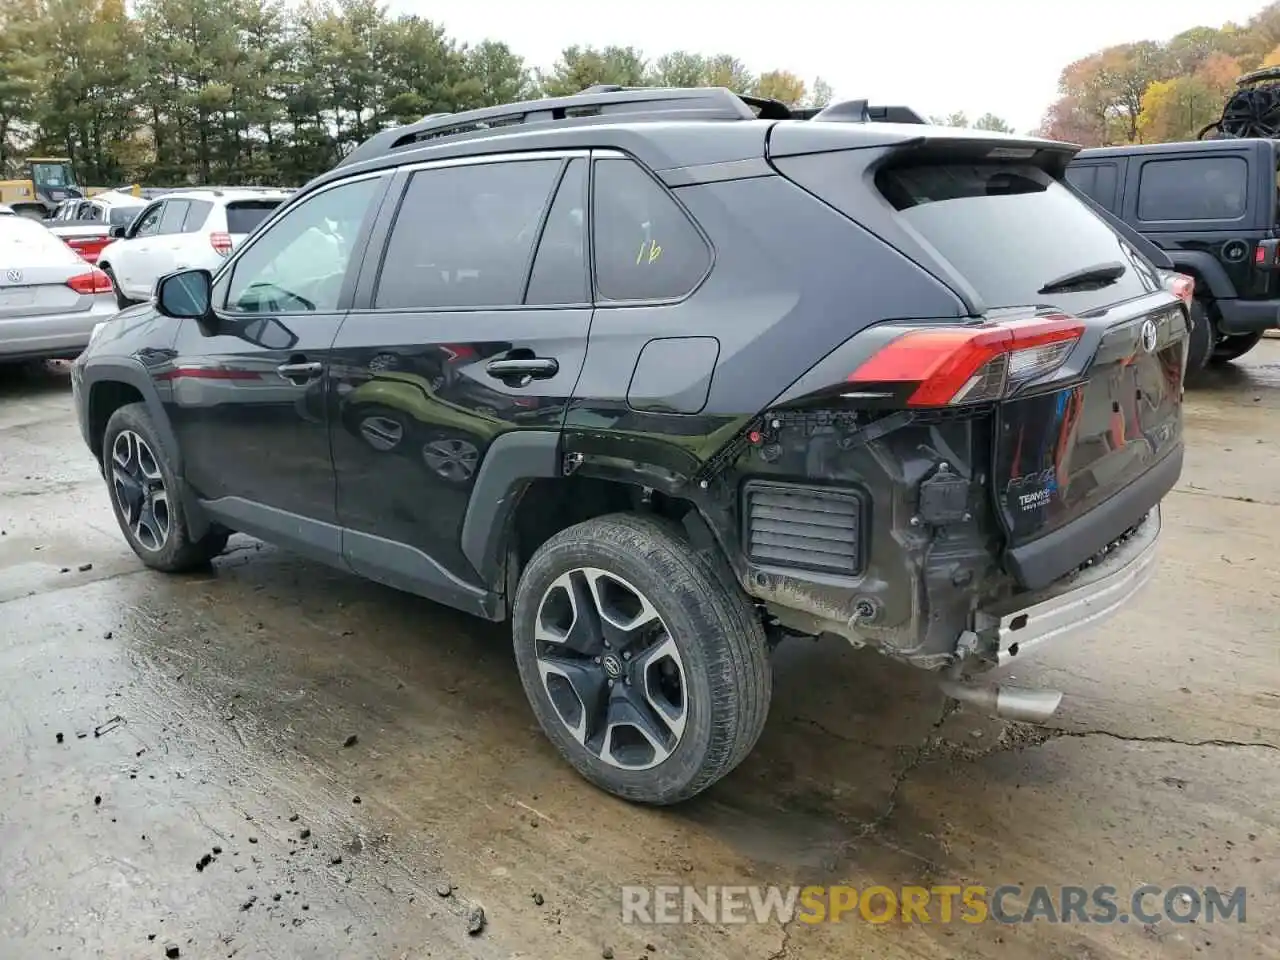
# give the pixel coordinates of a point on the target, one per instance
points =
(1011, 229)
(243, 216)
(1193, 188)
(646, 247)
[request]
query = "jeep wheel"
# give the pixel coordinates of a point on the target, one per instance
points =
(1200, 343)
(644, 666)
(1234, 346)
(144, 495)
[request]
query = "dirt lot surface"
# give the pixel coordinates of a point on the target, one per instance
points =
(173, 771)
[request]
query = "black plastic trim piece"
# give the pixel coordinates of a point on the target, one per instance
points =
(409, 569)
(311, 538)
(823, 520)
(1040, 562)
(1247, 316)
(513, 459)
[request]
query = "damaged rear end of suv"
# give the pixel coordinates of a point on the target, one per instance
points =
(957, 489)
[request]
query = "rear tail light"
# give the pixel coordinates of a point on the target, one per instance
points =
(952, 365)
(221, 243)
(1183, 287)
(95, 281)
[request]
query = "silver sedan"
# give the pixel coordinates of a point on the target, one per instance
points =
(50, 299)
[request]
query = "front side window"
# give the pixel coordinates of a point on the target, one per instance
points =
(298, 264)
(646, 247)
(149, 222)
(463, 236)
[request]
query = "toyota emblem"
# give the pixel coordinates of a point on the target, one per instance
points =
(13, 276)
(1150, 336)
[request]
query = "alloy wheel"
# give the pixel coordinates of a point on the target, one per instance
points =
(611, 669)
(139, 490)
(453, 459)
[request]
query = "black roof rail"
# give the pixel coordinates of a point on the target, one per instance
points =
(602, 101)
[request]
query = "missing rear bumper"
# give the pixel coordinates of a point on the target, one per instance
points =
(1084, 599)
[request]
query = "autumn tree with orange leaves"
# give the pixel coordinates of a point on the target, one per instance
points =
(1152, 92)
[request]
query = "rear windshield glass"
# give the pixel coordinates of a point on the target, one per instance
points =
(244, 215)
(25, 242)
(1011, 229)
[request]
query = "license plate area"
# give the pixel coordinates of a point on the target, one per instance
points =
(20, 297)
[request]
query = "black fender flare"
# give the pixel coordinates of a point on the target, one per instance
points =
(131, 372)
(1210, 276)
(513, 460)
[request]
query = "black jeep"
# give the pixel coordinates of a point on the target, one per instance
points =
(1212, 206)
(663, 377)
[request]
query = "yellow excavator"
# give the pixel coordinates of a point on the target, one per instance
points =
(48, 181)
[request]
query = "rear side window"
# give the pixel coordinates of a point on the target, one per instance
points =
(175, 211)
(645, 245)
(1011, 229)
(560, 268)
(1195, 188)
(463, 236)
(197, 214)
(1097, 180)
(244, 215)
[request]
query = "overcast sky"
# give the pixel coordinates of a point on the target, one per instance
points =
(933, 55)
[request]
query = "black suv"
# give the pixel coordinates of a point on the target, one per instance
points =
(1212, 206)
(663, 377)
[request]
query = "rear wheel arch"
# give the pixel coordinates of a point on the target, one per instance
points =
(521, 499)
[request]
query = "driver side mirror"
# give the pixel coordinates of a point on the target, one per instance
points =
(186, 295)
(117, 233)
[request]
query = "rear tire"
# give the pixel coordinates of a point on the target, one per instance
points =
(1200, 343)
(122, 301)
(1234, 346)
(646, 667)
(145, 496)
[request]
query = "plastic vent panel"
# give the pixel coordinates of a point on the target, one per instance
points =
(803, 528)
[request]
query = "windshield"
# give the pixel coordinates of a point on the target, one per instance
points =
(122, 216)
(52, 174)
(1012, 229)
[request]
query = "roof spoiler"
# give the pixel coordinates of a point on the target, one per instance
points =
(858, 111)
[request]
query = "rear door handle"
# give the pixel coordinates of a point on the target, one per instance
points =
(300, 373)
(520, 371)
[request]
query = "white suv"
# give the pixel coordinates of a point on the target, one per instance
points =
(183, 229)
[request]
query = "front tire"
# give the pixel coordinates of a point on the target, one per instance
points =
(644, 665)
(145, 496)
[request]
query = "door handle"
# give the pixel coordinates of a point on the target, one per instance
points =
(300, 373)
(520, 371)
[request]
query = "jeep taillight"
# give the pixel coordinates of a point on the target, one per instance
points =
(952, 365)
(221, 243)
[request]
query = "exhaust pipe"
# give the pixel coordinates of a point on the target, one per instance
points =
(1007, 703)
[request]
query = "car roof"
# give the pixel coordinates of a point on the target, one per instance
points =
(1180, 146)
(6, 209)
(226, 194)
